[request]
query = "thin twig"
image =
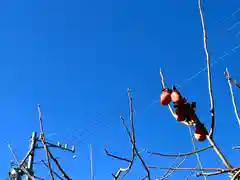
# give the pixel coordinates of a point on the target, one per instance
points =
(116, 157)
(194, 148)
(133, 134)
(232, 95)
(169, 174)
(143, 163)
(126, 170)
(232, 80)
(213, 173)
(132, 140)
(173, 164)
(16, 159)
(44, 143)
(208, 68)
(219, 153)
(163, 86)
(187, 169)
(180, 154)
(190, 174)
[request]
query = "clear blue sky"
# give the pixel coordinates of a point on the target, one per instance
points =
(77, 59)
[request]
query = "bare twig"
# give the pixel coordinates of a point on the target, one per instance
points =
(44, 143)
(16, 159)
(116, 157)
(194, 148)
(190, 174)
(232, 80)
(167, 175)
(163, 86)
(219, 153)
(180, 154)
(143, 163)
(213, 173)
(232, 95)
(133, 134)
(173, 164)
(187, 169)
(132, 138)
(208, 68)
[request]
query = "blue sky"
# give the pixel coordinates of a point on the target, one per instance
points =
(77, 59)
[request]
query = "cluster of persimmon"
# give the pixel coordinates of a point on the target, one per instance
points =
(184, 111)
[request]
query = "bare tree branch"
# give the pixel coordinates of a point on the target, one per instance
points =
(173, 164)
(219, 153)
(194, 148)
(132, 138)
(190, 174)
(180, 154)
(232, 95)
(188, 169)
(208, 68)
(213, 173)
(116, 157)
(163, 86)
(133, 134)
(232, 80)
(169, 174)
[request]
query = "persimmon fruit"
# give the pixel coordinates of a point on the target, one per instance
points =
(165, 97)
(176, 97)
(200, 132)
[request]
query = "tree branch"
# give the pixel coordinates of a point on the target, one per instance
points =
(116, 157)
(219, 153)
(213, 173)
(132, 138)
(208, 69)
(167, 175)
(232, 80)
(180, 154)
(232, 95)
(194, 148)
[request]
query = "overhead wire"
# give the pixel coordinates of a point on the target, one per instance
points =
(181, 85)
